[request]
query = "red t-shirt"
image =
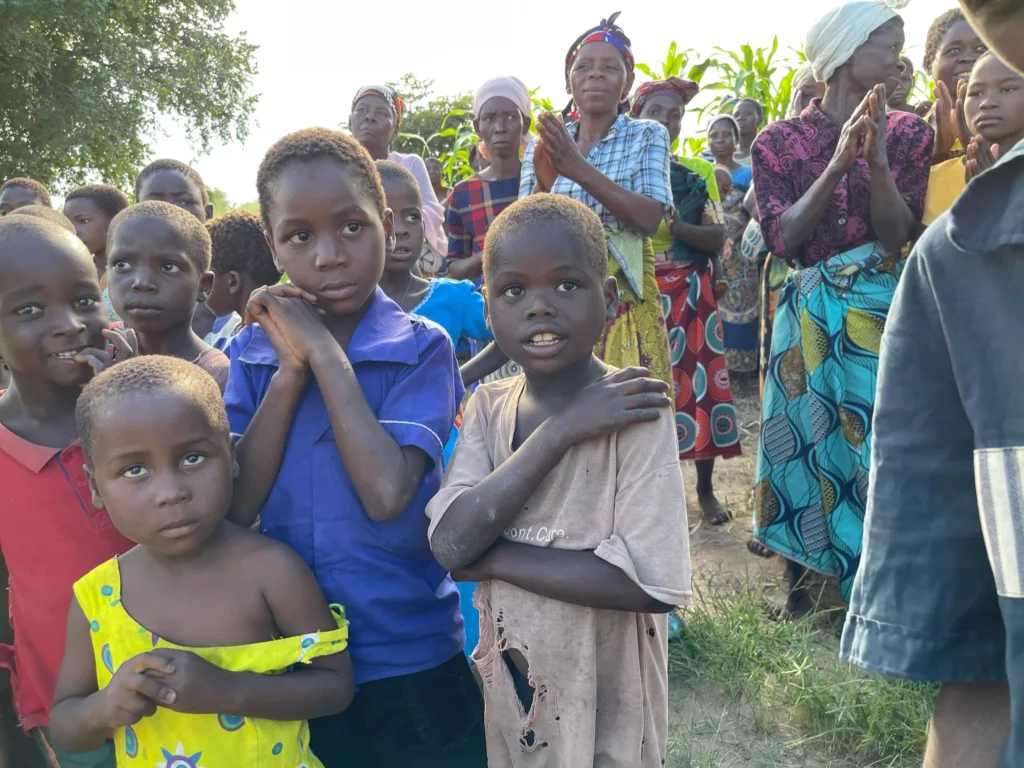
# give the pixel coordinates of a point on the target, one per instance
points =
(51, 536)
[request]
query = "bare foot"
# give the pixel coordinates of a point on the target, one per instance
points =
(714, 512)
(794, 608)
(755, 547)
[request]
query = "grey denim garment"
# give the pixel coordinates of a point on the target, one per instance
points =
(940, 591)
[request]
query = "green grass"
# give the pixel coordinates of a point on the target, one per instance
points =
(791, 684)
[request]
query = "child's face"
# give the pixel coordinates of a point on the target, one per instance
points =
(546, 307)
(407, 209)
(15, 197)
(50, 308)
(327, 234)
(500, 125)
(174, 187)
(995, 102)
(90, 222)
(161, 470)
(724, 181)
(154, 283)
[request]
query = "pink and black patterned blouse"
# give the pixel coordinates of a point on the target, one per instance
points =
(790, 155)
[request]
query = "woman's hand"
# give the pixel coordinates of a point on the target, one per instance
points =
(980, 157)
(950, 121)
(850, 138)
(542, 167)
(560, 147)
(874, 130)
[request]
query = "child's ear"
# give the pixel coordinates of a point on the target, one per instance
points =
(389, 230)
(209, 211)
(206, 285)
(97, 500)
(234, 282)
(487, 309)
(273, 251)
(611, 298)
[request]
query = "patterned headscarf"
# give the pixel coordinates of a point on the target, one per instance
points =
(389, 94)
(608, 32)
(684, 89)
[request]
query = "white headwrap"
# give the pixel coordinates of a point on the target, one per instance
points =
(511, 88)
(832, 41)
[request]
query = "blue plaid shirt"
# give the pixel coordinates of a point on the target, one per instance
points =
(635, 155)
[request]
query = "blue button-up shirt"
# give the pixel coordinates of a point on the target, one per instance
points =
(402, 606)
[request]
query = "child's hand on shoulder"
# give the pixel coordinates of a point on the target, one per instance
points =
(134, 691)
(124, 342)
(626, 397)
(290, 318)
(189, 683)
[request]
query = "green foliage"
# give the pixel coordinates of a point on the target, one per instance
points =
(221, 204)
(432, 124)
(84, 83)
(762, 74)
(790, 679)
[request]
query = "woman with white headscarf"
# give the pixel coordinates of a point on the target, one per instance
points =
(839, 192)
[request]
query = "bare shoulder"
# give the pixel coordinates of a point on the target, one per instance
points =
(262, 556)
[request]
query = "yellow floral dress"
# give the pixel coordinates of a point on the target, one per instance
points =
(171, 739)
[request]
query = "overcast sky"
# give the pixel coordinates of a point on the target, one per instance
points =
(314, 54)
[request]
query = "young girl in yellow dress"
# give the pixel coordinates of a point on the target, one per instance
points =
(207, 645)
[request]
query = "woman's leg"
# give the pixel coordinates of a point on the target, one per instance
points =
(713, 511)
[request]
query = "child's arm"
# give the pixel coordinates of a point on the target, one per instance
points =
(481, 510)
(83, 716)
(385, 474)
(322, 687)
(484, 363)
(573, 576)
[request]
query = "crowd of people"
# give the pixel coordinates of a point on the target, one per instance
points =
(389, 474)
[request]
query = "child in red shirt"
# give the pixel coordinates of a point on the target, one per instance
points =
(53, 337)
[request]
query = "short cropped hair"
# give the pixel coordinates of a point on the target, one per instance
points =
(757, 106)
(185, 225)
(936, 32)
(166, 164)
(147, 374)
(12, 227)
(239, 244)
(390, 171)
(549, 213)
(110, 200)
(310, 144)
(31, 184)
(43, 212)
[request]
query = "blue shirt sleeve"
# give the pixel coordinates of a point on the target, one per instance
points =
(474, 316)
(419, 409)
(240, 396)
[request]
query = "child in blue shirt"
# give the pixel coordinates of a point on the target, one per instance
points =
(455, 305)
(344, 402)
